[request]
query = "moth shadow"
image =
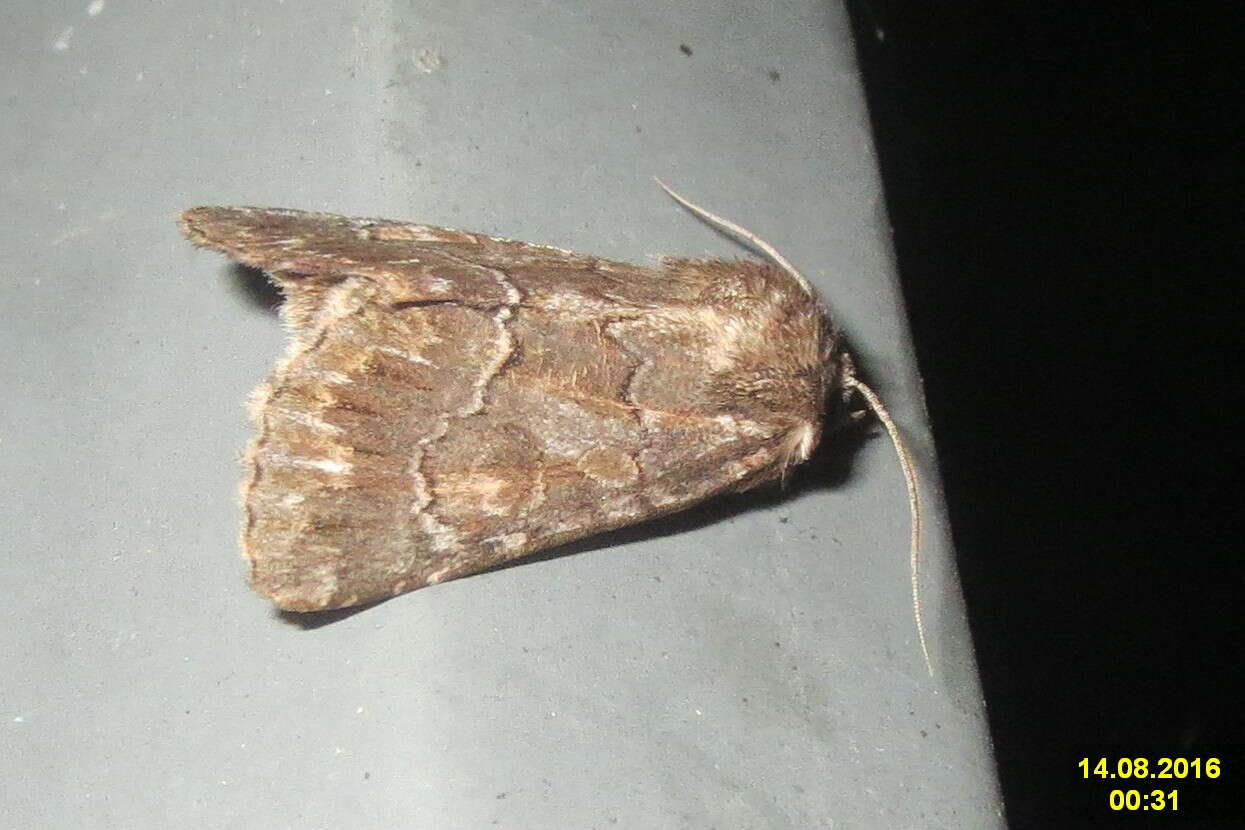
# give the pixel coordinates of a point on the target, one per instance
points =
(311, 620)
(255, 289)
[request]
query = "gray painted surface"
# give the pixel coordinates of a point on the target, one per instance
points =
(750, 664)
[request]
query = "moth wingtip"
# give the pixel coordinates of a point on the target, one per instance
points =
(298, 598)
(193, 213)
(292, 603)
(192, 221)
(210, 226)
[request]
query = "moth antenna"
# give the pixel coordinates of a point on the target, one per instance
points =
(742, 232)
(914, 503)
(851, 382)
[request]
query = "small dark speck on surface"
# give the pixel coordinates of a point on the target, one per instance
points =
(775, 75)
(782, 520)
(685, 49)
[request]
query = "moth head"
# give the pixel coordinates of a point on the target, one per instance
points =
(773, 351)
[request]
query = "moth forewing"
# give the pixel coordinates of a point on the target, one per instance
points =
(450, 401)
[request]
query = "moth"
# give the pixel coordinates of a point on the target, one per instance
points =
(450, 401)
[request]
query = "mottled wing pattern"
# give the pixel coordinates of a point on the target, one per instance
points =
(450, 401)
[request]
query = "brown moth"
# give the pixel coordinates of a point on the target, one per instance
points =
(450, 401)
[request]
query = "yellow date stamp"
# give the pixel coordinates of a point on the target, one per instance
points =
(1161, 768)
(1159, 784)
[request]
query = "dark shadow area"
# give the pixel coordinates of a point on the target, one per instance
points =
(254, 287)
(311, 620)
(1064, 183)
